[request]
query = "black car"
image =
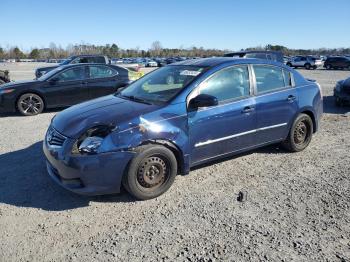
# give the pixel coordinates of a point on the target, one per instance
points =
(77, 59)
(268, 55)
(342, 92)
(337, 62)
(62, 87)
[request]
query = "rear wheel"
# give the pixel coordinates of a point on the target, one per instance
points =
(328, 67)
(30, 104)
(151, 172)
(300, 134)
(289, 64)
(2, 82)
(307, 66)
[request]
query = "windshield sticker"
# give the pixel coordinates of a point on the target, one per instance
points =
(189, 73)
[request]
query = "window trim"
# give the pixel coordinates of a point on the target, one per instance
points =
(256, 93)
(195, 91)
(100, 65)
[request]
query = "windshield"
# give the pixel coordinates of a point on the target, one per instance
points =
(49, 74)
(162, 84)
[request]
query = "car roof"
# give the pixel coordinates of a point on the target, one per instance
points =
(215, 61)
(84, 64)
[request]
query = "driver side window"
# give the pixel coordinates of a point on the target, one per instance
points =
(228, 84)
(72, 74)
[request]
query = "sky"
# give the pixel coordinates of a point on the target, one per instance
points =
(221, 24)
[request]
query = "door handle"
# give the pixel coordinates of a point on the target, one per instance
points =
(291, 98)
(248, 109)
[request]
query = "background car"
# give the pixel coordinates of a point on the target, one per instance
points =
(97, 59)
(268, 55)
(337, 62)
(146, 134)
(64, 86)
(308, 62)
(342, 92)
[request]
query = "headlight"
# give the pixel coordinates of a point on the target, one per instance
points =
(90, 145)
(91, 140)
(6, 91)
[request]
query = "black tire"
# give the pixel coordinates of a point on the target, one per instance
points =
(2, 82)
(328, 67)
(151, 172)
(300, 134)
(348, 67)
(314, 67)
(307, 66)
(30, 104)
(289, 64)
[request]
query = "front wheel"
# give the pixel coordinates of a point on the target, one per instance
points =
(307, 66)
(151, 172)
(300, 134)
(30, 104)
(328, 67)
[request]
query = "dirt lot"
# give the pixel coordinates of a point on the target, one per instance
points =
(297, 207)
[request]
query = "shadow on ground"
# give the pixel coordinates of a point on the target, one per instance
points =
(24, 183)
(16, 114)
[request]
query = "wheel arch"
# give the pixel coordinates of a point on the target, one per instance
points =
(173, 148)
(311, 114)
(29, 92)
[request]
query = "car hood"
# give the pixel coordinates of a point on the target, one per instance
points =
(20, 84)
(107, 110)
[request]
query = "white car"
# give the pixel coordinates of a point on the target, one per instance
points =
(308, 62)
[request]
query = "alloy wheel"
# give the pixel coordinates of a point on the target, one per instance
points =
(30, 104)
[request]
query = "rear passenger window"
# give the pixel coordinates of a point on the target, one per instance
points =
(268, 78)
(101, 72)
(227, 84)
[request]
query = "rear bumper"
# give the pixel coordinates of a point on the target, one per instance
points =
(89, 174)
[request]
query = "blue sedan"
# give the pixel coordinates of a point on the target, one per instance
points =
(177, 117)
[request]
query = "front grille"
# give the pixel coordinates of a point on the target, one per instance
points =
(54, 138)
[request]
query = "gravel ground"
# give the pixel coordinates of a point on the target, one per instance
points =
(296, 207)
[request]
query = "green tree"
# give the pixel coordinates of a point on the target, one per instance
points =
(18, 53)
(34, 54)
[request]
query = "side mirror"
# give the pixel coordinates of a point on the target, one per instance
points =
(203, 100)
(53, 81)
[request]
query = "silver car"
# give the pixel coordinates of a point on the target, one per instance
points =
(308, 62)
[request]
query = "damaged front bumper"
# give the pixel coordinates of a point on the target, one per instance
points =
(86, 174)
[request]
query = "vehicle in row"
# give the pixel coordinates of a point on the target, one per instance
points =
(337, 62)
(307, 62)
(78, 59)
(342, 92)
(62, 87)
(4, 76)
(268, 55)
(155, 129)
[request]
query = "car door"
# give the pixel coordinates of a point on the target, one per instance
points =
(102, 80)
(276, 102)
(297, 61)
(67, 87)
(229, 126)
